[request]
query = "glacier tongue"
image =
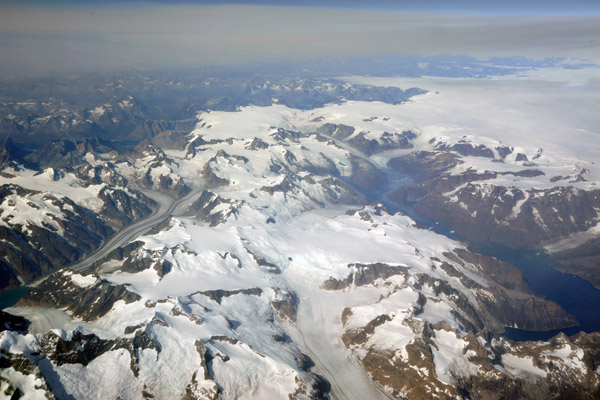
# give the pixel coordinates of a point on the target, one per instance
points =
(270, 276)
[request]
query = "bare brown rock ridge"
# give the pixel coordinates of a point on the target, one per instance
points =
(409, 376)
(364, 274)
(217, 295)
(487, 370)
(512, 302)
(365, 175)
(509, 302)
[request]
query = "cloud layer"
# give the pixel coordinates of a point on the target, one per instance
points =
(54, 39)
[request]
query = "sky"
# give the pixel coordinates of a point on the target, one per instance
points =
(47, 37)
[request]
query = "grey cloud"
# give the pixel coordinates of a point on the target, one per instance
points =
(38, 40)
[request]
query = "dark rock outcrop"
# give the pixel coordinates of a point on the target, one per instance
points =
(365, 274)
(583, 261)
(81, 231)
(68, 153)
(209, 208)
(136, 259)
(286, 305)
(89, 302)
(11, 154)
(217, 295)
(9, 322)
(468, 149)
(211, 179)
(365, 175)
(489, 213)
(122, 208)
(413, 372)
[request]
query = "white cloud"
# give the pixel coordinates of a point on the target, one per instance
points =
(40, 39)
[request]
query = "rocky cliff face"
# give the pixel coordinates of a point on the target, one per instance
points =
(279, 270)
(368, 143)
(508, 301)
(141, 108)
(58, 232)
(582, 260)
(562, 368)
(85, 296)
(487, 212)
(52, 217)
(43, 232)
(68, 153)
(121, 208)
(134, 258)
(213, 208)
(421, 366)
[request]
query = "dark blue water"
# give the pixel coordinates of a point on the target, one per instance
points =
(9, 298)
(575, 295)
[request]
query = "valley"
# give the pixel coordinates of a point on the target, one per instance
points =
(341, 242)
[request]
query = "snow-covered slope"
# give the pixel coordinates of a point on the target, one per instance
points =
(52, 217)
(277, 277)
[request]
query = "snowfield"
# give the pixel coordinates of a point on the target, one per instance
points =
(286, 275)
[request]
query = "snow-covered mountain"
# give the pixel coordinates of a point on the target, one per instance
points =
(276, 263)
(52, 217)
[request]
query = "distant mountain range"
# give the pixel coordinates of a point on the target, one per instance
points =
(280, 238)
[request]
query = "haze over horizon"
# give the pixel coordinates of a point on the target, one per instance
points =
(40, 39)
